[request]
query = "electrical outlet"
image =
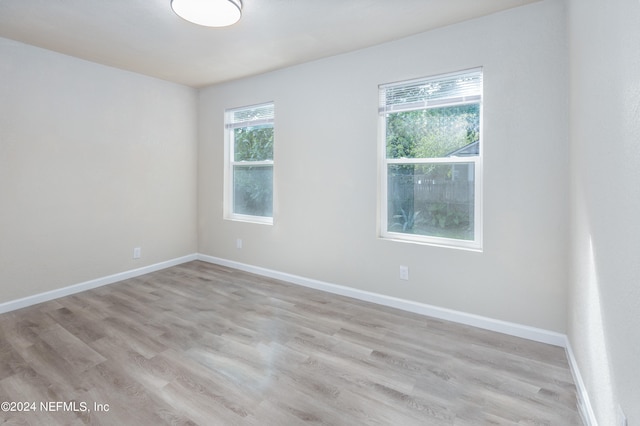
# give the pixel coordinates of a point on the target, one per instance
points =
(404, 272)
(137, 253)
(239, 243)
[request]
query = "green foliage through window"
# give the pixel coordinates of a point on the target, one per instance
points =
(433, 132)
(432, 146)
(253, 143)
(250, 137)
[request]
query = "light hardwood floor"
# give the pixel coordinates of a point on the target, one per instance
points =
(207, 345)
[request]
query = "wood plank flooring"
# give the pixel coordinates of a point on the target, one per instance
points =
(207, 345)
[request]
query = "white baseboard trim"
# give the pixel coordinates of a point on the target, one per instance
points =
(513, 329)
(531, 333)
(88, 285)
(584, 404)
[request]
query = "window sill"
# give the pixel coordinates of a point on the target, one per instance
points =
(465, 245)
(259, 220)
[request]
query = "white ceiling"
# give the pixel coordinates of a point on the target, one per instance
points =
(145, 36)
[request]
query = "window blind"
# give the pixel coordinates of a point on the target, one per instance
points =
(454, 88)
(252, 116)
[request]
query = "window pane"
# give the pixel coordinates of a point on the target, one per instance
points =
(253, 143)
(253, 190)
(432, 199)
(434, 132)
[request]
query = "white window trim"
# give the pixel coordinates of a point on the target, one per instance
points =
(383, 162)
(229, 164)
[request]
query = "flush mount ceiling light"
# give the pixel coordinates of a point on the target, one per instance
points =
(209, 13)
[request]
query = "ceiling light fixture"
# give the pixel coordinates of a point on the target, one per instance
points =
(209, 13)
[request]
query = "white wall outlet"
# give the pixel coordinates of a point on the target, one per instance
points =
(137, 253)
(404, 272)
(239, 243)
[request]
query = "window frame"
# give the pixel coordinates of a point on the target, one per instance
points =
(384, 163)
(230, 163)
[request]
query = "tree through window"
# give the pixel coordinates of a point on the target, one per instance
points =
(431, 180)
(249, 146)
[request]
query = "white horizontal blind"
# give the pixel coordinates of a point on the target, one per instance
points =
(250, 116)
(454, 88)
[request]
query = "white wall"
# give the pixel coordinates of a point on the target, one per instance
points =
(604, 308)
(326, 170)
(93, 162)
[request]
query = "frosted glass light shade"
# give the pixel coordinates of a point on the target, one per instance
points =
(209, 13)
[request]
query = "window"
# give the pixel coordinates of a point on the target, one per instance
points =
(249, 163)
(431, 168)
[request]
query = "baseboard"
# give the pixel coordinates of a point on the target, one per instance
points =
(584, 404)
(88, 285)
(513, 329)
(531, 333)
